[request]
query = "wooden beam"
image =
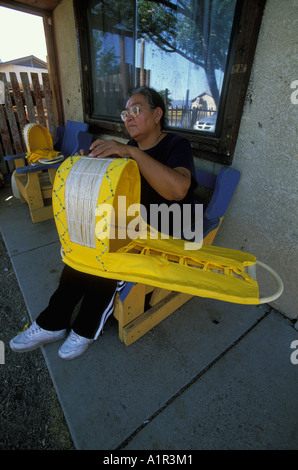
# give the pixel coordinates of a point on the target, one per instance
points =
(29, 6)
(152, 317)
(53, 67)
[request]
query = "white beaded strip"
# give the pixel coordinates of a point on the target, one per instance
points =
(81, 195)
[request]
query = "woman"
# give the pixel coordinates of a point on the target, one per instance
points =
(167, 175)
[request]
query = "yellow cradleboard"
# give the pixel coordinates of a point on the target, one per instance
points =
(89, 221)
(39, 144)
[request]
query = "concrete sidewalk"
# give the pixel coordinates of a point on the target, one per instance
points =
(213, 375)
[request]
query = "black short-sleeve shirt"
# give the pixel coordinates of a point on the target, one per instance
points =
(173, 151)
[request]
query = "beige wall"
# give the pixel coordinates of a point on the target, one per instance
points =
(68, 61)
(264, 212)
(262, 218)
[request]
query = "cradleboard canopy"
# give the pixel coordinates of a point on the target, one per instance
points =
(39, 143)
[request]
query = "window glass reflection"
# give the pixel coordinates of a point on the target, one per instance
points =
(180, 48)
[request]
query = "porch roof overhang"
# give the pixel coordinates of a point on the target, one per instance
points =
(37, 6)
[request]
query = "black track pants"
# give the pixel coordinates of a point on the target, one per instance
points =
(97, 296)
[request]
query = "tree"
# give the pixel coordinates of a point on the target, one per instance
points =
(198, 30)
(106, 62)
(165, 94)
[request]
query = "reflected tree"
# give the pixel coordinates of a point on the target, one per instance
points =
(198, 30)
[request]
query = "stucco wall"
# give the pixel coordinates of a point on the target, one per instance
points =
(68, 61)
(263, 216)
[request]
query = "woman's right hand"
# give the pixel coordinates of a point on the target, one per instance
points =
(109, 148)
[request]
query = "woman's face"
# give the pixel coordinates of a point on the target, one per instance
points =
(146, 122)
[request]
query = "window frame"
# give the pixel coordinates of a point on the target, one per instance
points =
(218, 149)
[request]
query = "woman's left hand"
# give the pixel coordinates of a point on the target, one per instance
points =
(108, 148)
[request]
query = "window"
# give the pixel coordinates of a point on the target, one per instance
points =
(183, 48)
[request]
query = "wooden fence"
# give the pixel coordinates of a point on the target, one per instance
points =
(23, 104)
(186, 116)
(111, 91)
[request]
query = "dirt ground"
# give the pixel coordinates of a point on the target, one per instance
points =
(30, 414)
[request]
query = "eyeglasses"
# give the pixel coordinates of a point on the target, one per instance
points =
(133, 111)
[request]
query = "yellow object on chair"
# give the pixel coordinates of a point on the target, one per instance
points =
(86, 210)
(39, 143)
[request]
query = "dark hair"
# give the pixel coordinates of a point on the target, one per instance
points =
(155, 101)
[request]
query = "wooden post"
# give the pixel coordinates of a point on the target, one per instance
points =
(28, 96)
(18, 99)
(16, 140)
(48, 103)
(38, 99)
(142, 59)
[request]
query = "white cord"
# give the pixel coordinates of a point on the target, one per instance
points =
(280, 286)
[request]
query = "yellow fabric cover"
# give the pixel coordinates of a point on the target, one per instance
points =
(39, 143)
(210, 271)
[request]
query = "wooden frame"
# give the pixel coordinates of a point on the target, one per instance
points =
(47, 15)
(35, 189)
(135, 320)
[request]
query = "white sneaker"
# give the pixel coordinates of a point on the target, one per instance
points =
(74, 346)
(34, 337)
